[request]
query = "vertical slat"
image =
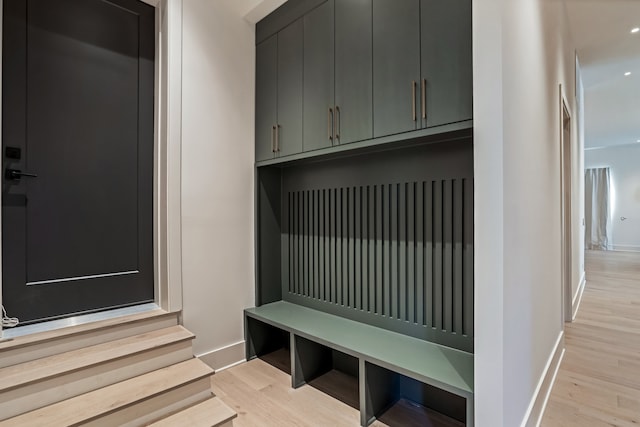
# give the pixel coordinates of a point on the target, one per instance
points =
(379, 256)
(457, 256)
(437, 255)
(322, 234)
(332, 245)
(467, 257)
(289, 242)
(402, 251)
(339, 231)
(305, 243)
(429, 245)
(411, 253)
(373, 245)
(309, 244)
(345, 247)
(309, 234)
(316, 254)
(420, 265)
(366, 245)
(294, 246)
(393, 252)
(351, 204)
(386, 245)
(357, 249)
(447, 273)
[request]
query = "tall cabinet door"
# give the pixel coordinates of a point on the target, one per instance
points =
(318, 97)
(266, 97)
(353, 70)
(396, 66)
(446, 61)
(289, 131)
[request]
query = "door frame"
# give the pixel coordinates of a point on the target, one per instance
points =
(566, 208)
(167, 221)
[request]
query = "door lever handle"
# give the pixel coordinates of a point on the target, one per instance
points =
(16, 174)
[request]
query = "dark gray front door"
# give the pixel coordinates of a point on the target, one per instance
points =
(77, 111)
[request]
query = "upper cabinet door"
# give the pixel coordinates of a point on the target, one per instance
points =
(396, 66)
(446, 61)
(266, 97)
(318, 113)
(353, 67)
(289, 129)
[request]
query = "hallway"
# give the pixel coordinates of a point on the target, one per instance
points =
(599, 380)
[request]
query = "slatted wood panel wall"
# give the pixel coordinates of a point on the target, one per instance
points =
(395, 254)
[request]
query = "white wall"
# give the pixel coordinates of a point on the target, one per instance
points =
(217, 171)
(624, 161)
(522, 52)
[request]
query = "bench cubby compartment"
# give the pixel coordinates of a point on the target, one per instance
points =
(269, 343)
(331, 371)
(396, 399)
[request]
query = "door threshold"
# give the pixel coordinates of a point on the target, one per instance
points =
(51, 325)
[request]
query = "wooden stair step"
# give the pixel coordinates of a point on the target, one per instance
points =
(35, 346)
(131, 402)
(41, 382)
(210, 413)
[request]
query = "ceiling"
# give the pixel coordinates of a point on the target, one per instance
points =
(607, 49)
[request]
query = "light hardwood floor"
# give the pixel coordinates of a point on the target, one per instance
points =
(260, 392)
(598, 383)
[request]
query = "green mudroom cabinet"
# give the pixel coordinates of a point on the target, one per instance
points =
(364, 201)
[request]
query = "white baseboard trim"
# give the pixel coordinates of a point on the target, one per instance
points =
(625, 248)
(224, 357)
(577, 298)
(533, 417)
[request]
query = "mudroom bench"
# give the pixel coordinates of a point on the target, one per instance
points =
(389, 366)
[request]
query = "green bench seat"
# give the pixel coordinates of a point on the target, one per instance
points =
(433, 364)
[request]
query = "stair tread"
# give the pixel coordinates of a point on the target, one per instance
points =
(59, 364)
(210, 413)
(41, 337)
(114, 397)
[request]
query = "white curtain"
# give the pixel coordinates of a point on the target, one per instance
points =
(596, 208)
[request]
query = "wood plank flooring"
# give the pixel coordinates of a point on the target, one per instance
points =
(262, 396)
(598, 383)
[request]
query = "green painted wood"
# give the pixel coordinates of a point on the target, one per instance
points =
(283, 16)
(269, 221)
(447, 255)
(414, 290)
(458, 267)
(443, 367)
(381, 391)
(266, 97)
(396, 65)
(353, 70)
(467, 260)
(447, 60)
(290, 65)
(428, 254)
(411, 299)
(420, 269)
(446, 133)
(311, 360)
(318, 77)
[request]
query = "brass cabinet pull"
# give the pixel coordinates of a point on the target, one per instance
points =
(337, 123)
(330, 124)
(413, 100)
(424, 98)
(273, 139)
